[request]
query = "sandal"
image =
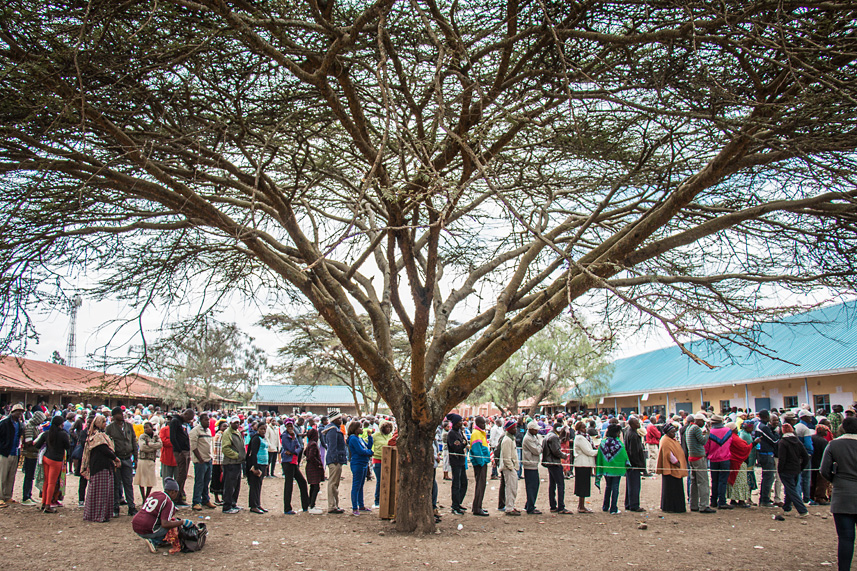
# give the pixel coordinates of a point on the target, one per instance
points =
(585, 511)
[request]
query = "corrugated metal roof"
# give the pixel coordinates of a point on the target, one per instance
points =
(30, 376)
(818, 341)
(303, 394)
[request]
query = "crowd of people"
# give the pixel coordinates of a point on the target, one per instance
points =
(706, 461)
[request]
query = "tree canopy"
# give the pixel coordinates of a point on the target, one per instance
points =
(466, 169)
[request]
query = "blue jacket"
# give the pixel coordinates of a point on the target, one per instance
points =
(291, 446)
(360, 453)
(7, 436)
(334, 443)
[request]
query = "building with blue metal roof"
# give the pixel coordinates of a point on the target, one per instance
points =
(317, 399)
(813, 360)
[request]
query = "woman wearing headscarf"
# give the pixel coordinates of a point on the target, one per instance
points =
(737, 487)
(97, 465)
(672, 465)
(57, 444)
(584, 463)
(314, 469)
(839, 466)
(611, 463)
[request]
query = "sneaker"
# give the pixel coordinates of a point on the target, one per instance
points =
(316, 511)
(81, 504)
(231, 511)
(617, 512)
(153, 547)
(290, 512)
(355, 512)
(29, 502)
(365, 509)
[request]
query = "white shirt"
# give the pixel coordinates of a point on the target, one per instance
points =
(495, 436)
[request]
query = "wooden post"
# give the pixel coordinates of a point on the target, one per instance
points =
(389, 472)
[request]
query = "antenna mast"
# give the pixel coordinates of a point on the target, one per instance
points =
(71, 349)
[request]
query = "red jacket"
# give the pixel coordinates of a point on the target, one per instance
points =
(653, 435)
(167, 458)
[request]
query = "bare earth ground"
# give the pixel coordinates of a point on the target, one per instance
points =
(734, 540)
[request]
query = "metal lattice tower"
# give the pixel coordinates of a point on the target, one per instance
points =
(71, 349)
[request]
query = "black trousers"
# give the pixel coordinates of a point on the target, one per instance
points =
(632, 488)
(480, 474)
(254, 483)
(459, 486)
(313, 494)
(231, 485)
(556, 488)
(531, 483)
(123, 479)
(292, 474)
(501, 501)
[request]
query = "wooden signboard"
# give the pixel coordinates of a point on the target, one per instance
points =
(389, 472)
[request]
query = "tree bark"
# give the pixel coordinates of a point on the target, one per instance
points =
(416, 473)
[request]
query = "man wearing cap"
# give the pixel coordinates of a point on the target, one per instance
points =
(125, 446)
(456, 444)
(155, 518)
(804, 430)
(509, 465)
(697, 464)
(718, 450)
(335, 457)
(232, 447)
(531, 451)
(552, 457)
(11, 433)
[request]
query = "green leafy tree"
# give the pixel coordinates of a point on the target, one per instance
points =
(562, 359)
(205, 361)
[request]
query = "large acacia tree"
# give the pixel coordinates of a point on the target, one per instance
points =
(468, 169)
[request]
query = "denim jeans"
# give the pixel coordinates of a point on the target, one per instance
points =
(792, 493)
(845, 529)
(719, 480)
(358, 479)
(611, 494)
(201, 480)
(769, 474)
(531, 483)
(805, 479)
(377, 469)
(158, 535)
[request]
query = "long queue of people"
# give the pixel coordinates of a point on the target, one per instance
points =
(805, 459)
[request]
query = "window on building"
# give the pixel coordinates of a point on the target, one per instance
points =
(822, 401)
(296, 410)
(790, 402)
(724, 405)
(706, 404)
(331, 410)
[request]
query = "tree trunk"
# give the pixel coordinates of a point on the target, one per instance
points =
(415, 476)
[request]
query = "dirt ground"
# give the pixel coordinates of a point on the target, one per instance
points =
(733, 540)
